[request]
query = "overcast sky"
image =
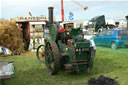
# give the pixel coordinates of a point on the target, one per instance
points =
(112, 9)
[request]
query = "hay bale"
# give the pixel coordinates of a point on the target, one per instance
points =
(10, 36)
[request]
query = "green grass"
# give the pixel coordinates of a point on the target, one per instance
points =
(108, 62)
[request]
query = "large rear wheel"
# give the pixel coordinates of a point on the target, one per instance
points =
(52, 58)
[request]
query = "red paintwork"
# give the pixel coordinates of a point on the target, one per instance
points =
(51, 33)
(42, 54)
(61, 30)
(83, 33)
(118, 38)
(62, 10)
(28, 31)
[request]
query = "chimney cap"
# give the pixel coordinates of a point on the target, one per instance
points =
(50, 8)
(127, 16)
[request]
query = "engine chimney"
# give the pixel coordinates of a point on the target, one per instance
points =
(127, 21)
(50, 15)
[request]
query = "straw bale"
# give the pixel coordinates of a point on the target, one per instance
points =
(10, 36)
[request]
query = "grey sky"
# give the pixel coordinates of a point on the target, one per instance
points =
(111, 9)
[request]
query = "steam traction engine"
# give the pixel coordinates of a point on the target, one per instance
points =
(68, 50)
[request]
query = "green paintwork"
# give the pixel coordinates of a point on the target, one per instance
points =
(76, 33)
(60, 46)
(67, 49)
(79, 67)
(82, 44)
(79, 56)
(52, 32)
(79, 43)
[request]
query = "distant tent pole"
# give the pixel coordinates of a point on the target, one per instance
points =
(62, 11)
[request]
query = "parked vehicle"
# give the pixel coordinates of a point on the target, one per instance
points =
(89, 36)
(96, 23)
(113, 38)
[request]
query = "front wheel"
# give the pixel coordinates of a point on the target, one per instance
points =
(114, 45)
(40, 54)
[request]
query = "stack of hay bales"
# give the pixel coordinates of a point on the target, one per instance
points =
(10, 36)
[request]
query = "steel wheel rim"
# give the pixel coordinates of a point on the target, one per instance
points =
(40, 54)
(51, 64)
(52, 58)
(50, 61)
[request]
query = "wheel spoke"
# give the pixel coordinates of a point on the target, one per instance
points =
(53, 62)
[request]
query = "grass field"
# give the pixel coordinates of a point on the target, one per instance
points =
(108, 62)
